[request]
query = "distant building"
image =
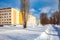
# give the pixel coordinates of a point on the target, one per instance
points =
(38, 21)
(31, 20)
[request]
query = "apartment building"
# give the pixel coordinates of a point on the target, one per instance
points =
(9, 16)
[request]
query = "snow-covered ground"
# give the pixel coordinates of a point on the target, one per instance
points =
(49, 34)
(37, 32)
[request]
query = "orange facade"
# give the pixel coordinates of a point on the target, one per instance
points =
(21, 19)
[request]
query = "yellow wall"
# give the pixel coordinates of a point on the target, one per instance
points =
(15, 16)
(21, 20)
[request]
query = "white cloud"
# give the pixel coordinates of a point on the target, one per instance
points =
(52, 3)
(52, 11)
(32, 10)
(45, 9)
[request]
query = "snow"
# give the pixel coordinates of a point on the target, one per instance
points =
(32, 32)
(18, 35)
(57, 26)
(49, 34)
(43, 36)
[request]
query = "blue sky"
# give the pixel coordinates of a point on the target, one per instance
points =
(36, 6)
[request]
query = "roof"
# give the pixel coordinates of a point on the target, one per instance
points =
(5, 8)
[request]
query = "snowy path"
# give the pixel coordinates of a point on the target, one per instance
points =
(57, 30)
(51, 33)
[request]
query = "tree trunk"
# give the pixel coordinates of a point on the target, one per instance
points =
(25, 25)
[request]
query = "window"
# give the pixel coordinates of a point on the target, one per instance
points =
(9, 19)
(4, 16)
(5, 13)
(9, 16)
(9, 22)
(0, 17)
(9, 13)
(4, 19)
(2, 22)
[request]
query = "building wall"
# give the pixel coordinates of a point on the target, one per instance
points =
(9, 16)
(15, 16)
(21, 20)
(31, 20)
(5, 16)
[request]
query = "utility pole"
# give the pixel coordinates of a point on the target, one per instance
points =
(25, 11)
(59, 5)
(59, 12)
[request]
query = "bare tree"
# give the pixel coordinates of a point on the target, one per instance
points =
(25, 11)
(55, 18)
(44, 18)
